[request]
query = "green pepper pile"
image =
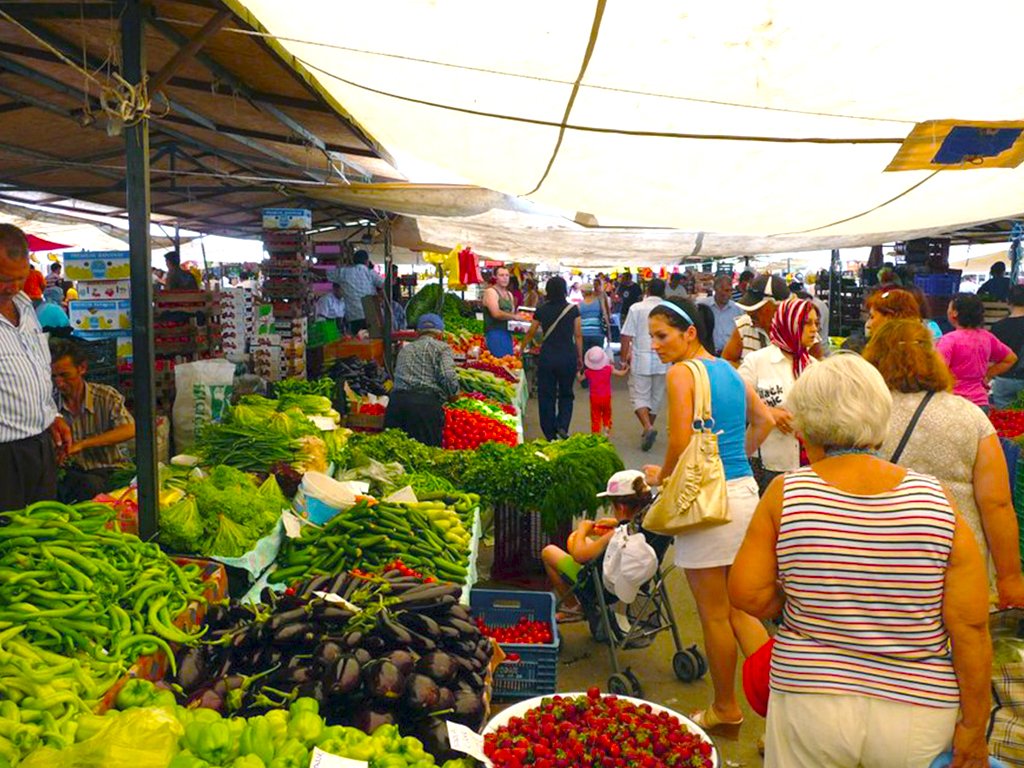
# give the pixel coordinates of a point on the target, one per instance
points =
(202, 738)
(78, 604)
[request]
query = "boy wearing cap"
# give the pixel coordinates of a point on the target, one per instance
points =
(424, 379)
(597, 372)
(629, 493)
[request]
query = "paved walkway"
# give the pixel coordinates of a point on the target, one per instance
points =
(584, 662)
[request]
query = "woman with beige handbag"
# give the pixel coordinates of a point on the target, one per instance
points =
(709, 492)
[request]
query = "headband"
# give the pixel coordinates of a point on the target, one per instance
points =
(678, 310)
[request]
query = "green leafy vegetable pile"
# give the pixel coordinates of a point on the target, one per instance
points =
(224, 513)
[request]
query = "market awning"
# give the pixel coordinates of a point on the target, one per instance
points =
(768, 123)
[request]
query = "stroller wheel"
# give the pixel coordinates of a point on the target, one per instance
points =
(621, 685)
(685, 665)
(702, 664)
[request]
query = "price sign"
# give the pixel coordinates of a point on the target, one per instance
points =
(467, 741)
(321, 759)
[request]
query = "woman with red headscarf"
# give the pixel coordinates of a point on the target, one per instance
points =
(771, 372)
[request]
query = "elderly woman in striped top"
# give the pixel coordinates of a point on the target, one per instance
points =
(883, 658)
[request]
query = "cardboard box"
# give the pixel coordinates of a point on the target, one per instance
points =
(105, 289)
(287, 218)
(97, 265)
(100, 315)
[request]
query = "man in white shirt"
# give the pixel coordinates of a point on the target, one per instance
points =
(725, 311)
(675, 289)
(331, 306)
(647, 372)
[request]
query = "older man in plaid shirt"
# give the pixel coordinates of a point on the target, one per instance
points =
(424, 378)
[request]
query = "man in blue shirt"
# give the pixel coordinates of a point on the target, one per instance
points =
(725, 311)
(998, 284)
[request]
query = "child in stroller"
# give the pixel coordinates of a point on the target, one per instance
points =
(629, 493)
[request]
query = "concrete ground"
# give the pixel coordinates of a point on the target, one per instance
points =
(584, 663)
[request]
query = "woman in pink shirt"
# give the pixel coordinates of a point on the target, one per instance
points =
(974, 355)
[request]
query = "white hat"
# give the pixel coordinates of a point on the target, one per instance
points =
(621, 483)
(629, 563)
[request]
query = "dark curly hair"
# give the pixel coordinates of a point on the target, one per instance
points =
(970, 310)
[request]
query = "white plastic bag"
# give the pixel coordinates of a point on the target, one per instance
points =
(202, 392)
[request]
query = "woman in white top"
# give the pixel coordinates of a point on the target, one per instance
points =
(772, 372)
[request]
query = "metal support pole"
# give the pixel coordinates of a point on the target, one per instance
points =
(385, 225)
(133, 57)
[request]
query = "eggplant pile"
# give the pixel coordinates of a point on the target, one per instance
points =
(393, 650)
(364, 377)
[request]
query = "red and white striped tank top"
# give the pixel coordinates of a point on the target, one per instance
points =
(863, 578)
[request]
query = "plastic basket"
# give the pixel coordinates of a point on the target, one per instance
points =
(519, 538)
(946, 284)
(535, 672)
(100, 353)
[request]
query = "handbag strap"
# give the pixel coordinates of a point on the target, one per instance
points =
(910, 427)
(544, 336)
(701, 393)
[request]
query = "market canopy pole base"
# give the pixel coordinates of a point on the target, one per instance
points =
(136, 138)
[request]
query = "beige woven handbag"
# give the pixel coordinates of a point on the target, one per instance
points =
(694, 496)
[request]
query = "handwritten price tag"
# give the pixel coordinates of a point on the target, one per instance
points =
(467, 741)
(323, 759)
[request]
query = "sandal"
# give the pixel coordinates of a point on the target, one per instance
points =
(568, 617)
(707, 719)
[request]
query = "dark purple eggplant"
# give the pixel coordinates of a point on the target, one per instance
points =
(193, 668)
(328, 613)
(368, 720)
(460, 612)
(207, 698)
(404, 660)
(433, 732)
(316, 584)
(217, 616)
(465, 628)
(313, 689)
(328, 652)
(421, 624)
(291, 677)
(375, 644)
(362, 656)
(354, 639)
(300, 634)
(445, 699)
(392, 630)
(343, 676)
(476, 681)
(439, 666)
(294, 616)
(448, 634)
(383, 680)
(421, 694)
(469, 709)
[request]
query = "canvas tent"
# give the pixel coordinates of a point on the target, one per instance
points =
(755, 126)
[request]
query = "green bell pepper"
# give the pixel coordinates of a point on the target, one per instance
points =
(388, 736)
(135, 693)
(305, 726)
(364, 750)
(290, 754)
(210, 741)
(277, 719)
(304, 704)
(164, 698)
(248, 761)
(339, 739)
(390, 761)
(187, 760)
(257, 739)
(411, 749)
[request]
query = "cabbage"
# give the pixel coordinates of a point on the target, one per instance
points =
(230, 539)
(182, 527)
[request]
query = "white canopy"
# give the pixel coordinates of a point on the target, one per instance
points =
(759, 125)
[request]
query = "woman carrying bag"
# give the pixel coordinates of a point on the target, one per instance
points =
(560, 358)
(706, 552)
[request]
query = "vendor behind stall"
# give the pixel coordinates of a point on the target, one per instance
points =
(99, 421)
(424, 378)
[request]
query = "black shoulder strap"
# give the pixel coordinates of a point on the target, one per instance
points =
(910, 428)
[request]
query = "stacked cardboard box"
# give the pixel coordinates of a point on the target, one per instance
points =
(237, 307)
(103, 307)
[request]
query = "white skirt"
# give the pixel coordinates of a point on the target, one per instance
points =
(717, 545)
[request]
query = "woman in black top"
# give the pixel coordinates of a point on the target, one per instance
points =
(561, 356)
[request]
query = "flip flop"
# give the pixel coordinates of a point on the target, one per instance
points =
(568, 617)
(648, 440)
(707, 719)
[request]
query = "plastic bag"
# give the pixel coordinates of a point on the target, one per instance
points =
(202, 392)
(139, 738)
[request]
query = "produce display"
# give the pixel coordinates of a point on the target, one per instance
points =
(427, 535)
(523, 631)
(222, 513)
(464, 343)
(559, 479)
(509, 362)
(80, 603)
(159, 733)
(1009, 423)
(485, 383)
(456, 313)
(596, 730)
(364, 377)
(324, 387)
(467, 428)
(501, 372)
(387, 650)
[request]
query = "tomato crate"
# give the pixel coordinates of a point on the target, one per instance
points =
(529, 669)
(519, 539)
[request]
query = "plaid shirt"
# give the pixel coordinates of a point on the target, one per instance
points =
(357, 280)
(426, 364)
(102, 410)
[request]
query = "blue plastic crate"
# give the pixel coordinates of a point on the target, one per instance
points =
(946, 284)
(536, 671)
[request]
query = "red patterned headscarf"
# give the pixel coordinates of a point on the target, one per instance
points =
(788, 328)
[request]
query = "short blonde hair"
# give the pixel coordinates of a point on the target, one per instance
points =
(841, 402)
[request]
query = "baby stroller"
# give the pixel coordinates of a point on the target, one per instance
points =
(648, 615)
